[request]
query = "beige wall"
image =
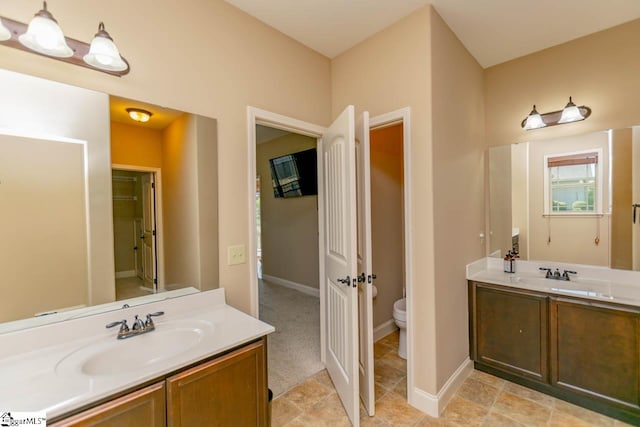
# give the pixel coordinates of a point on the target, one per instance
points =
(209, 237)
(387, 219)
(190, 202)
(500, 200)
(403, 79)
(572, 239)
(599, 70)
(520, 195)
(621, 199)
(215, 61)
(289, 225)
(135, 145)
(82, 115)
(43, 255)
(180, 204)
(458, 166)
(426, 68)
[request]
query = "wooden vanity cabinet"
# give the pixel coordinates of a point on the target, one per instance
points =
(146, 404)
(511, 331)
(227, 390)
(595, 351)
(580, 350)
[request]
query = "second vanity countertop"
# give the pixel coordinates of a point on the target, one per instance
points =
(591, 282)
(37, 366)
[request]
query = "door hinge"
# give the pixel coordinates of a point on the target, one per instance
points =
(371, 278)
(153, 185)
(153, 232)
(155, 281)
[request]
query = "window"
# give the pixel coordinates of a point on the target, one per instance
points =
(573, 183)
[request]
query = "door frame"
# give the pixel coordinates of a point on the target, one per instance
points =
(158, 212)
(257, 116)
(403, 115)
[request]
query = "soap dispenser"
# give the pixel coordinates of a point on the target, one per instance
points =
(508, 263)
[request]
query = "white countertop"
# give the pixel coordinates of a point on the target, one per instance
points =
(591, 282)
(30, 360)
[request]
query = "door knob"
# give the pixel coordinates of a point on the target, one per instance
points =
(345, 281)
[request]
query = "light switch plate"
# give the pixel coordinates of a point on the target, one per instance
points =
(235, 255)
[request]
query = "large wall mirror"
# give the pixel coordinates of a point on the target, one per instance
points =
(99, 210)
(574, 199)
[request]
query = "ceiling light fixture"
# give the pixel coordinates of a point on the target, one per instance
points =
(43, 35)
(139, 115)
(569, 114)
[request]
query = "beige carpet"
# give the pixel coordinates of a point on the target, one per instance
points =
(294, 348)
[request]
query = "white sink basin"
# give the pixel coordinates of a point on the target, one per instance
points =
(110, 356)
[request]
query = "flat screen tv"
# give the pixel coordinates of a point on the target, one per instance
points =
(295, 174)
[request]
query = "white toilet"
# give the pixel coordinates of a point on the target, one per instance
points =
(400, 317)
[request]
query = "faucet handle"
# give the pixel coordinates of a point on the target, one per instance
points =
(567, 273)
(149, 321)
(548, 270)
(123, 328)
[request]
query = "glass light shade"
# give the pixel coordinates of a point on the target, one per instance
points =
(139, 115)
(5, 34)
(570, 113)
(104, 54)
(534, 120)
(45, 36)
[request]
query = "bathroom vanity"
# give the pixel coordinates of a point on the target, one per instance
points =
(578, 340)
(204, 361)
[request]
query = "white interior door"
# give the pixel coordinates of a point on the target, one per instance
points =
(341, 351)
(149, 230)
(365, 280)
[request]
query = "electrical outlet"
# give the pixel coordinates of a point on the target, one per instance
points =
(235, 255)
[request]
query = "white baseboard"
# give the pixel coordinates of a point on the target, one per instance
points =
(123, 274)
(433, 405)
(292, 285)
(384, 329)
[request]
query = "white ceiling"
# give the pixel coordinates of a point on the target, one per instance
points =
(493, 31)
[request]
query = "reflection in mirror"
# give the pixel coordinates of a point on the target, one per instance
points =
(98, 210)
(568, 199)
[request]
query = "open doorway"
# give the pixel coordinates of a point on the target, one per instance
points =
(287, 253)
(135, 233)
(390, 172)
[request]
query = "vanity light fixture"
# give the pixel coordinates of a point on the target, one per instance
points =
(5, 34)
(569, 114)
(44, 36)
(104, 53)
(139, 115)
(533, 120)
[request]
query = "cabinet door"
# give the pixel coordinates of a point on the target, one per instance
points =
(228, 391)
(143, 407)
(595, 351)
(511, 331)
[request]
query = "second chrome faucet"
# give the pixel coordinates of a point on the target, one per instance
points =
(139, 326)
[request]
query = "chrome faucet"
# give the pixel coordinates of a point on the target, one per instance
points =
(556, 275)
(139, 326)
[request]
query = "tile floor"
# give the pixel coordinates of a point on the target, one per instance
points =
(482, 400)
